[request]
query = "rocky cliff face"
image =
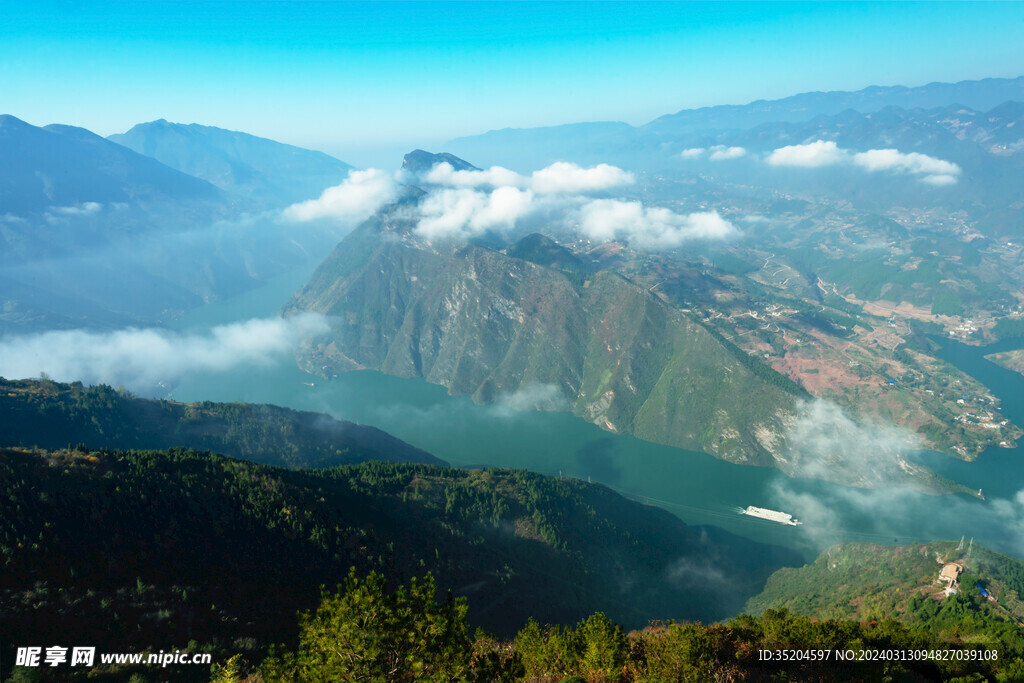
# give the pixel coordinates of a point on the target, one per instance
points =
(484, 323)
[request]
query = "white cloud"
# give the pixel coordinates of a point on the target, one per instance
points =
(496, 176)
(819, 153)
(825, 443)
(83, 209)
(811, 155)
(715, 153)
(722, 153)
(531, 397)
(558, 178)
(139, 358)
(465, 209)
(464, 212)
(604, 220)
(565, 178)
(354, 200)
(894, 160)
(939, 179)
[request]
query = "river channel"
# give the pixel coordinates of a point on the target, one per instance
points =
(696, 487)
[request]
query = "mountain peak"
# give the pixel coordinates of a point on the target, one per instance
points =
(8, 121)
(421, 161)
(265, 172)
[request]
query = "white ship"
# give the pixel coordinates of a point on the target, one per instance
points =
(771, 515)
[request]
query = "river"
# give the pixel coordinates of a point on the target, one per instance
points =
(696, 487)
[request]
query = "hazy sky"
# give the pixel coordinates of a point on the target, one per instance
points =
(353, 76)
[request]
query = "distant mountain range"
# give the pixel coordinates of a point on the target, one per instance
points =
(261, 172)
(92, 232)
(983, 94)
(57, 167)
(526, 149)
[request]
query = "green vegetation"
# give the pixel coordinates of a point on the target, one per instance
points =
(758, 367)
(47, 414)
(128, 550)
(947, 302)
(364, 633)
(489, 324)
(869, 582)
(1007, 328)
(544, 251)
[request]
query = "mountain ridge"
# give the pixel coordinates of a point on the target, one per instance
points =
(48, 414)
(527, 149)
(38, 170)
(496, 327)
(263, 171)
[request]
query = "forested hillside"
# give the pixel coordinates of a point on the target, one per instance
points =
(174, 546)
(47, 414)
(865, 582)
(535, 319)
(408, 636)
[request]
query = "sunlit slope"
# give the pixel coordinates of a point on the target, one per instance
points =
(864, 581)
(540, 333)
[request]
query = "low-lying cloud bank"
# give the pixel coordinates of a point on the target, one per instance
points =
(535, 396)
(821, 153)
(140, 358)
(826, 443)
(888, 505)
(468, 203)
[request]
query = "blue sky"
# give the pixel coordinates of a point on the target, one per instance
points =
(358, 76)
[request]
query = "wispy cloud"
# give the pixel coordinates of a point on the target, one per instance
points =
(83, 209)
(826, 443)
(530, 397)
(140, 358)
(821, 153)
(723, 153)
(715, 153)
(353, 201)
(883, 514)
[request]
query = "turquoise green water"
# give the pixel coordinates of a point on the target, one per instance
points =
(694, 486)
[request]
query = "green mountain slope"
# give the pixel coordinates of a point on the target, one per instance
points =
(409, 636)
(138, 548)
(539, 331)
(864, 582)
(47, 414)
